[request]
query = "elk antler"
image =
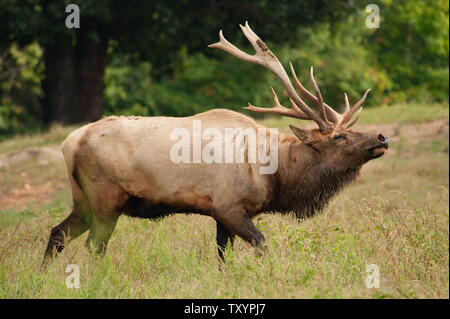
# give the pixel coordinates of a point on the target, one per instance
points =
(349, 113)
(331, 114)
(279, 109)
(266, 58)
(299, 109)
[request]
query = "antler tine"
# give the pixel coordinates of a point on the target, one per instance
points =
(266, 58)
(347, 103)
(275, 98)
(225, 45)
(354, 120)
(348, 115)
(294, 106)
(279, 109)
(332, 115)
(321, 107)
(250, 35)
(304, 92)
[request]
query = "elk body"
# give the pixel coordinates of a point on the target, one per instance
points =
(121, 165)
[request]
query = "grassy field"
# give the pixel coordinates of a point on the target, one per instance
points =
(395, 216)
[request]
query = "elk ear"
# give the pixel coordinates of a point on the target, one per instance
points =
(305, 136)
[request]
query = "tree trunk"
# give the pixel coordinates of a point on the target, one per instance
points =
(59, 83)
(73, 82)
(91, 56)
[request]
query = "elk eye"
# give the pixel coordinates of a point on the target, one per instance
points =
(337, 137)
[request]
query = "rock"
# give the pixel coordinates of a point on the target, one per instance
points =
(44, 155)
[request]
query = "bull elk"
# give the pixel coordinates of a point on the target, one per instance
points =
(121, 165)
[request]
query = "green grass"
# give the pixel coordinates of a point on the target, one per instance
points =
(404, 114)
(396, 215)
(399, 114)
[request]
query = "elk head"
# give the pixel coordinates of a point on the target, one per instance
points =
(333, 139)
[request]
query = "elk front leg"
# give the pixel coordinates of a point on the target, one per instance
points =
(223, 236)
(238, 223)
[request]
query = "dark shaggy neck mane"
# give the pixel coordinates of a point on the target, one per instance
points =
(306, 188)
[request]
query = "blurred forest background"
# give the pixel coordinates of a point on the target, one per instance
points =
(151, 57)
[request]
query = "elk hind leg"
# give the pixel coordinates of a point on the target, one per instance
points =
(70, 228)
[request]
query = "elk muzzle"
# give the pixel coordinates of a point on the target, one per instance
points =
(382, 144)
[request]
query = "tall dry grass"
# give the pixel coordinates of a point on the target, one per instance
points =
(395, 216)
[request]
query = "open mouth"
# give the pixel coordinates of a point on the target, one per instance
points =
(377, 151)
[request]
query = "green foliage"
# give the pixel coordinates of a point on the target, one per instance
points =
(338, 52)
(200, 84)
(342, 62)
(159, 63)
(413, 44)
(20, 88)
(127, 90)
(347, 57)
(157, 30)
